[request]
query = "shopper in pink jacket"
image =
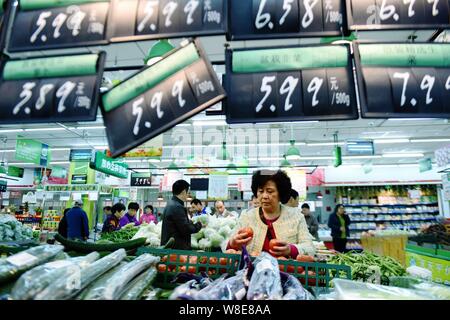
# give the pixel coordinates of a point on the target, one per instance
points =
(148, 215)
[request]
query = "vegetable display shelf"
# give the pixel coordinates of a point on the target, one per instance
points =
(310, 274)
(433, 258)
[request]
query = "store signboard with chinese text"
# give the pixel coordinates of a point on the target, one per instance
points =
(80, 155)
(290, 84)
(414, 79)
(268, 19)
(218, 186)
(15, 172)
(159, 97)
(51, 89)
(109, 166)
(141, 180)
(32, 151)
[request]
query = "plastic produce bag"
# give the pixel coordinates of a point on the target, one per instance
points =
(114, 287)
(293, 289)
(13, 266)
(353, 290)
(137, 287)
(233, 288)
(60, 290)
(37, 279)
(265, 282)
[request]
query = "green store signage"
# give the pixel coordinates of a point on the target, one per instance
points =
(109, 166)
(32, 151)
(15, 172)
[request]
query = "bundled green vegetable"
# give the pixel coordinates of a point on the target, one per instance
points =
(114, 287)
(13, 266)
(137, 287)
(369, 267)
(125, 234)
(37, 279)
(60, 290)
(13, 230)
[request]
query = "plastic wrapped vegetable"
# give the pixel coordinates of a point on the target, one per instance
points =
(59, 290)
(37, 279)
(13, 266)
(114, 287)
(293, 289)
(233, 288)
(265, 283)
(137, 287)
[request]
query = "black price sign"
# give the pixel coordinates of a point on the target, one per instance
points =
(48, 24)
(156, 19)
(159, 97)
(404, 80)
(52, 89)
(262, 19)
(397, 14)
(141, 180)
(290, 84)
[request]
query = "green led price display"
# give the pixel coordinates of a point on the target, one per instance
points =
(290, 84)
(52, 89)
(159, 97)
(414, 80)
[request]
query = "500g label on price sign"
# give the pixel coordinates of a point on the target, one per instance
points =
(159, 97)
(414, 80)
(262, 19)
(57, 89)
(290, 83)
(398, 14)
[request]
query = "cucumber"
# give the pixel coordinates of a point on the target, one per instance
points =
(91, 247)
(169, 244)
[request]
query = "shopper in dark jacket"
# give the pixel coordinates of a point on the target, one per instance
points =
(62, 226)
(77, 223)
(112, 221)
(176, 223)
(339, 224)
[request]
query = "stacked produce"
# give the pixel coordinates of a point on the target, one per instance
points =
(86, 277)
(124, 234)
(436, 233)
(152, 232)
(369, 267)
(13, 230)
(215, 231)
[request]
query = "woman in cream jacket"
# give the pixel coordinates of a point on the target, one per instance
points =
(272, 220)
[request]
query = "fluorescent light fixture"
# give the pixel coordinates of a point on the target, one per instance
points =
(362, 157)
(234, 145)
(319, 144)
(183, 125)
(21, 164)
(430, 140)
(45, 129)
(209, 123)
(403, 155)
(100, 147)
(11, 130)
(152, 160)
(60, 162)
(132, 161)
(91, 128)
(388, 141)
(413, 119)
(59, 149)
(8, 151)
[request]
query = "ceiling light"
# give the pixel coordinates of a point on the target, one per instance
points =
(132, 161)
(11, 130)
(293, 152)
(319, 195)
(285, 162)
(319, 144)
(59, 162)
(60, 149)
(91, 128)
(430, 140)
(413, 119)
(403, 155)
(388, 141)
(46, 129)
(363, 157)
(201, 123)
(152, 160)
(173, 166)
(223, 154)
(8, 150)
(101, 147)
(231, 168)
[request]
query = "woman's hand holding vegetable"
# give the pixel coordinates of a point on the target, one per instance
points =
(242, 238)
(279, 248)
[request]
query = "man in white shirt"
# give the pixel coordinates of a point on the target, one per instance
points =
(222, 212)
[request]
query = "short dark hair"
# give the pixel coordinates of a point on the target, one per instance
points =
(196, 202)
(133, 205)
(294, 194)
(149, 206)
(280, 178)
(305, 206)
(337, 208)
(118, 207)
(179, 186)
(107, 208)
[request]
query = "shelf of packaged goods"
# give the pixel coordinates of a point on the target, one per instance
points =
(392, 220)
(391, 205)
(435, 212)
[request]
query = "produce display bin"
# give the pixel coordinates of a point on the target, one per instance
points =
(436, 260)
(388, 246)
(310, 274)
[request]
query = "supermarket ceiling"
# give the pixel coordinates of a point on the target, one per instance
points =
(397, 142)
